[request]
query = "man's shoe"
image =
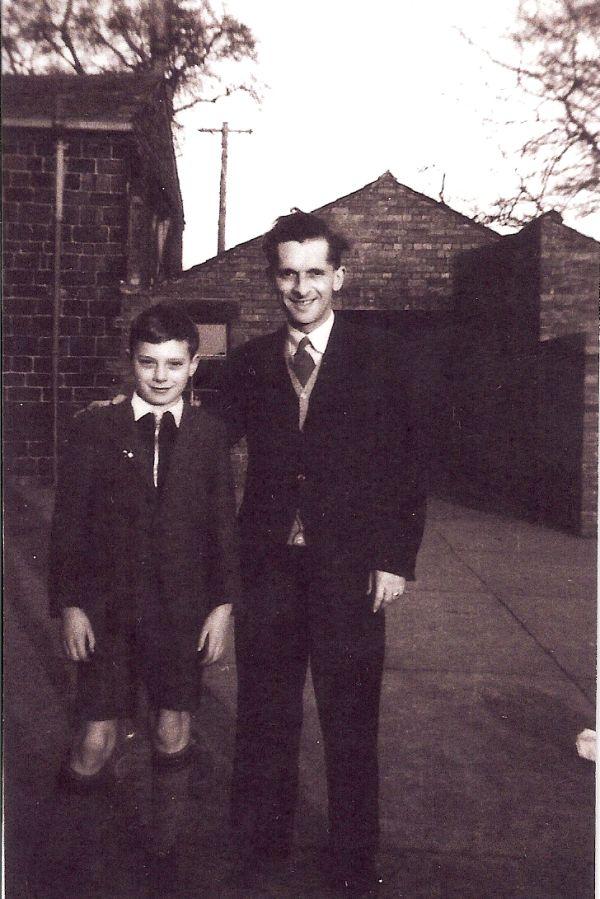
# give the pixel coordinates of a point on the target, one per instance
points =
(159, 873)
(357, 881)
(254, 870)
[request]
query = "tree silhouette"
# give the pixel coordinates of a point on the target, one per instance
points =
(559, 165)
(197, 50)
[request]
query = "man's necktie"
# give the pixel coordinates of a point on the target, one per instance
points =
(303, 363)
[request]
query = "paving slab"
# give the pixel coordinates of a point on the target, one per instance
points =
(490, 675)
(463, 632)
(473, 764)
(503, 575)
(574, 649)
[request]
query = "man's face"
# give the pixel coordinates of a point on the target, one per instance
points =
(162, 370)
(306, 281)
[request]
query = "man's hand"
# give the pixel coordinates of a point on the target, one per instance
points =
(385, 588)
(98, 404)
(213, 634)
(78, 636)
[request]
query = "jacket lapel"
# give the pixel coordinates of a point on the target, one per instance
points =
(334, 374)
(277, 388)
(129, 445)
(183, 450)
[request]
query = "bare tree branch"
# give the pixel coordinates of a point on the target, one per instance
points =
(66, 38)
(185, 40)
(559, 69)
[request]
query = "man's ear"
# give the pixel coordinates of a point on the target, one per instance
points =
(338, 277)
(194, 364)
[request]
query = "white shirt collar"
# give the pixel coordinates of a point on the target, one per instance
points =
(319, 338)
(141, 407)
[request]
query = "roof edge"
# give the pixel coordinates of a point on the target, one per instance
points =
(416, 193)
(326, 206)
(49, 122)
(555, 218)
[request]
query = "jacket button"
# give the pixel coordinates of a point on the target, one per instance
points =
(301, 477)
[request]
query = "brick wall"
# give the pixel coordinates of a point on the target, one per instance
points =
(94, 235)
(569, 278)
(403, 244)
(511, 393)
(525, 373)
(400, 275)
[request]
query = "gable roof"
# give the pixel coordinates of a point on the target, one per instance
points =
(390, 181)
(554, 219)
(386, 180)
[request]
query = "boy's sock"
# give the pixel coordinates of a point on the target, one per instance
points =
(192, 754)
(71, 781)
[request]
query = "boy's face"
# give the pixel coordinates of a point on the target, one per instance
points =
(162, 370)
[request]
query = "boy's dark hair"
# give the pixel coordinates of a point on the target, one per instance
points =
(301, 226)
(162, 322)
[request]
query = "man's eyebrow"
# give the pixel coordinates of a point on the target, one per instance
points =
(154, 359)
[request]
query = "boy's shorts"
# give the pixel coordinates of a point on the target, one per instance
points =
(107, 684)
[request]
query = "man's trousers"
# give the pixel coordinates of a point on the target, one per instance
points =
(301, 607)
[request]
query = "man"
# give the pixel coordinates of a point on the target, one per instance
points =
(331, 523)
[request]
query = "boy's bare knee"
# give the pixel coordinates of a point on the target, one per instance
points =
(99, 736)
(94, 747)
(172, 732)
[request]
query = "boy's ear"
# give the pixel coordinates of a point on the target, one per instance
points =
(194, 364)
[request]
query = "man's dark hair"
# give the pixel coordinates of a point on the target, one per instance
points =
(162, 322)
(301, 226)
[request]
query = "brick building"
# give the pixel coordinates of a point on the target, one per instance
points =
(502, 329)
(526, 371)
(499, 327)
(90, 180)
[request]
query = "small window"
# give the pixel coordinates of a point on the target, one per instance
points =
(212, 352)
(213, 340)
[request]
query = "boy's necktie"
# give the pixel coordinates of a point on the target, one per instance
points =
(158, 435)
(303, 363)
(167, 432)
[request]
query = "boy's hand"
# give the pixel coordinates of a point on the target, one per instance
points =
(213, 634)
(78, 636)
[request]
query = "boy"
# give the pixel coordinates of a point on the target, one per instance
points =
(143, 558)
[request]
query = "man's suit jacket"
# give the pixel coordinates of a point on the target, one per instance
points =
(119, 549)
(355, 472)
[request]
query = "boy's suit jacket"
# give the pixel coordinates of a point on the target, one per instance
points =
(118, 549)
(356, 472)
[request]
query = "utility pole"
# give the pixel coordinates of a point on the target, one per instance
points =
(225, 131)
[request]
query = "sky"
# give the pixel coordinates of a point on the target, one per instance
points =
(354, 90)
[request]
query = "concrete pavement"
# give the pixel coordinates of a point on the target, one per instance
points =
(490, 675)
